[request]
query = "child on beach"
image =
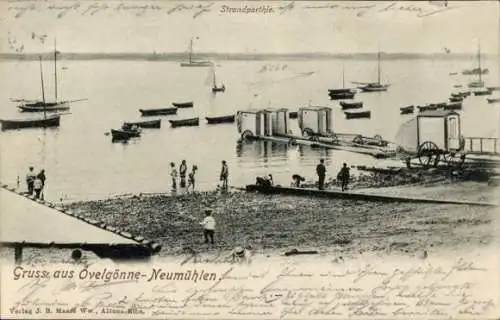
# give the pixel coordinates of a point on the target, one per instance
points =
(208, 226)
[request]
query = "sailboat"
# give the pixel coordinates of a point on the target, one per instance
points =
(46, 106)
(215, 89)
(375, 86)
(190, 62)
(479, 83)
(344, 93)
(46, 121)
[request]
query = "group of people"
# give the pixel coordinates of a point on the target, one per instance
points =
(35, 182)
(223, 177)
(342, 176)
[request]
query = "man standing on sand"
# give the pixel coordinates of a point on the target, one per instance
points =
(173, 175)
(182, 173)
(224, 174)
(321, 171)
(208, 226)
(344, 176)
(30, 180)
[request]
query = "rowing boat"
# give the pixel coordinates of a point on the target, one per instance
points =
(221, 119)
(124, 134)
(351, 105)
(189, 104)
(185, 122)
(144, 124)
(156, 112)
(50, 121)
(357, 115)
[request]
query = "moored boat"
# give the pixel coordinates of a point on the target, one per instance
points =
(427, 108)
(484, 92)
(124, 134)
(49, 121)
(185, 122)
(221, 119)
(341, 95)
(453, 106)
(493, 100)
(357, 115)
(156, 112)
(143, 124)
(407, 110)
(188, 104)
(351, 105)
(456, 99)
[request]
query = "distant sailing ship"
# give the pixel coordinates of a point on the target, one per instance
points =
(44, 106)
(479, 83)
(190, 62)
(375, 86)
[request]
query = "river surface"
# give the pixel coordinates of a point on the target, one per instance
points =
(82, 163)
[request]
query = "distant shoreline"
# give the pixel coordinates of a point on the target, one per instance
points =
(179, 56)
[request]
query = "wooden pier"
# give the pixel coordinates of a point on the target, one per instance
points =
(30, 222)
(350, 195)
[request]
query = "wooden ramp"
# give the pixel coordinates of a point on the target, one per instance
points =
(356, 196)
(25, 222)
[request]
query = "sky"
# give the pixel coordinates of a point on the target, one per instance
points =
(167, 26)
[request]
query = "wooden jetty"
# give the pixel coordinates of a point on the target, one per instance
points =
(308, 192)
(32, 223)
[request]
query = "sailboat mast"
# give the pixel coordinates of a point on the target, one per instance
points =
(378, 67)
(41, 78)
(479, 62)
(213, 78)
(55, 70)
(343, 81)
(190, 50)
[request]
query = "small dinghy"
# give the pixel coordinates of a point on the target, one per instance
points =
(124, 134)
(188, 104)
(143, 124)
(351, 105)
(407, 110)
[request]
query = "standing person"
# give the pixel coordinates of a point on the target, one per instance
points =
(30, 180)
(37, 186)
(344, 176)
(224, 174)
(42, 178)
(182, 173)
(191, 180)
(173, 175)
(208, 226)
(321, 171)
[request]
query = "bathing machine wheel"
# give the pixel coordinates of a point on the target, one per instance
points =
(307, 133)
(428, 154)
(247, 134)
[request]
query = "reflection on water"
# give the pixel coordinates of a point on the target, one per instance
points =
(261, 149)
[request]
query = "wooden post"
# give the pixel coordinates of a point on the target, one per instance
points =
(18, 254)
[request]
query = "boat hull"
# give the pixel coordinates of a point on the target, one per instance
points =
(223, 119)
(357, 115)
(494, 100)
(222, 89)
(374, 89)
(407, 110)
(341, 95)
(347, 105)
(144, 124)
(53, 121)
(197, 64)
(183, 104)
(124, 134)
(158, 112)
(44, 107)
(185, 122)
(482, 93)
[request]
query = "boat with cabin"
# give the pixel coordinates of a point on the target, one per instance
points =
(185, 122)
(158, 111)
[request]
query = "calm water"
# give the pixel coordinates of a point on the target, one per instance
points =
(82, 163)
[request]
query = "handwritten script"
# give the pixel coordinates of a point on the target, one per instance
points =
(286, 290)
(140, 8)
